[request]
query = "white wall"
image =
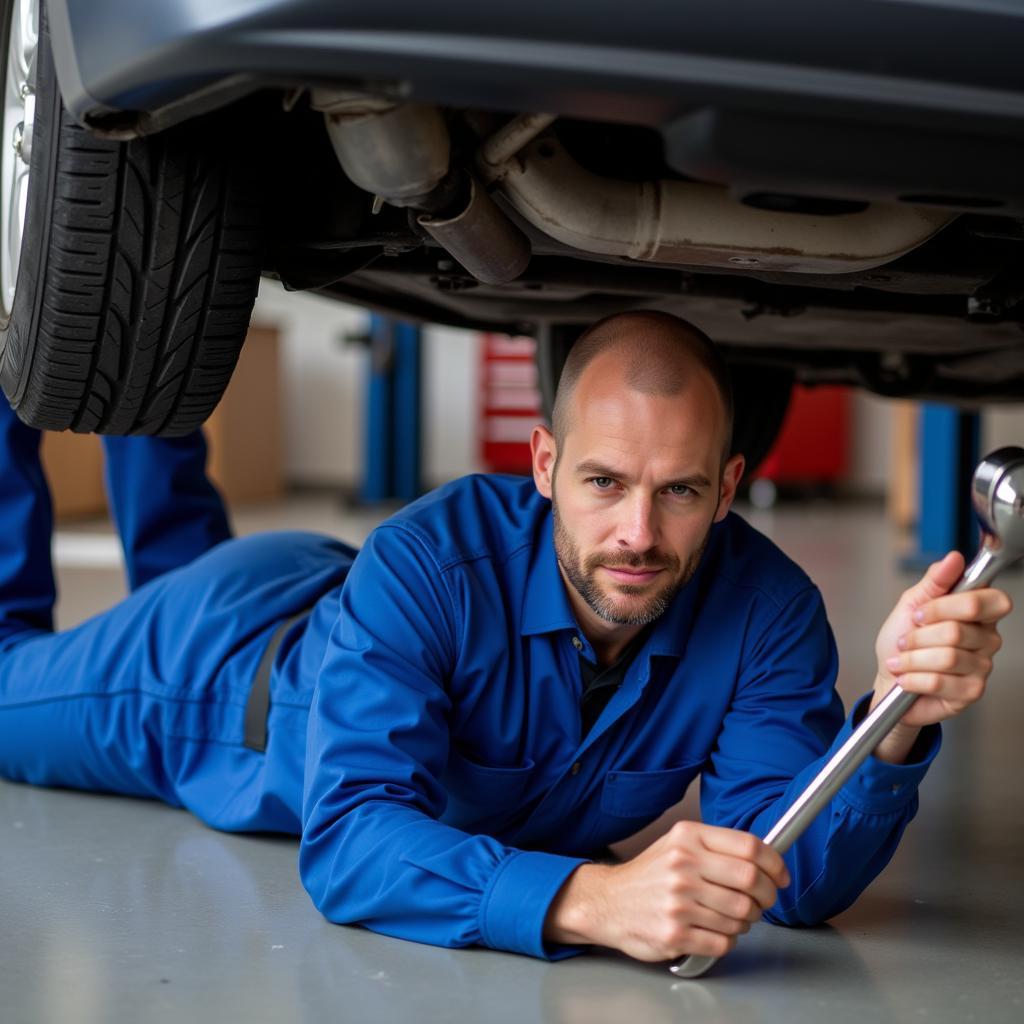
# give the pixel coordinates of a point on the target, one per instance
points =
(1002, 425)
(870, 444)
(451, 373)
(324, 381)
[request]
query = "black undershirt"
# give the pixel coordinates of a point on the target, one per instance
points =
(601, 684)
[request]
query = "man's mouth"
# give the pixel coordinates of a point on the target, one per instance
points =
(631, 575)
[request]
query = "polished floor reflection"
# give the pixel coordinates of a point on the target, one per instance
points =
(119, 910)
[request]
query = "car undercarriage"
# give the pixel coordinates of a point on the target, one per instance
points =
(832, 199)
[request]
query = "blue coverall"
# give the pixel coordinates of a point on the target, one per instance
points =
(444, 788)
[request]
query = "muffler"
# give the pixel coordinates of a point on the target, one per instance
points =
(401, 152)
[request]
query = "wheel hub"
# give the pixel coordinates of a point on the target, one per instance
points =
(16, 142)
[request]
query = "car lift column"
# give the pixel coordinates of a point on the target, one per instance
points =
(948, 450)
(392, 446)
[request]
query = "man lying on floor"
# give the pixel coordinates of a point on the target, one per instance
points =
(510, 676)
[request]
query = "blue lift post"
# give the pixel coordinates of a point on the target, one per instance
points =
(407, 414)
(391, 444)
(949, 449)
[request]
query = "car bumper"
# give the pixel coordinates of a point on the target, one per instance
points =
(950, 63)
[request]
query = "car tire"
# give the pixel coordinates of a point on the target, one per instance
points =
(139, 265)
(761, 398)
(553, 344)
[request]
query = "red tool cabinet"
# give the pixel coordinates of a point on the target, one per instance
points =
(813, 446)
(510, 404)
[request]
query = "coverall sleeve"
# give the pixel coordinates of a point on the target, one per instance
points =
(373, 851)
(785, 722)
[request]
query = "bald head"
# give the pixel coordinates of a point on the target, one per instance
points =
(655, 353)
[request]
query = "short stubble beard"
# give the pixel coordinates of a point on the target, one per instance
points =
(582, 574)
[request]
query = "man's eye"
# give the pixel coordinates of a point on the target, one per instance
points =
(602, 483)
(681, 490)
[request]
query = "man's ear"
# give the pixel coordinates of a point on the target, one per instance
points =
(731, 475)
(544, 452)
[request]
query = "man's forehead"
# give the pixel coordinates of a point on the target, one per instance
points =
(624, 417)
(620, 449)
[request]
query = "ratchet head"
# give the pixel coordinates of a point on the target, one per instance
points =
(997, 492)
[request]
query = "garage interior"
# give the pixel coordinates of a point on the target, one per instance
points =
(171, 919)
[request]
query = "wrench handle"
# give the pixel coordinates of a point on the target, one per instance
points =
(843, 763)
(847, 759)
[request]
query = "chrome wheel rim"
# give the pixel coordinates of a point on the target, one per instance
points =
(16, 142)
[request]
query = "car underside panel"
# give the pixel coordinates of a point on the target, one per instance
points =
(952, 65)
(891, 343)
(836, 188)
(952, 299)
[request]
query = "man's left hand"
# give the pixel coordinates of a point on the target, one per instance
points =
(940, 646)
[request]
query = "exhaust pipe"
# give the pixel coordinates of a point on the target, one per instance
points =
(401, 152)
(686, 223)
(472, 235)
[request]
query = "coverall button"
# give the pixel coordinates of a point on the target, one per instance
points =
(577, 643)
(575, 769)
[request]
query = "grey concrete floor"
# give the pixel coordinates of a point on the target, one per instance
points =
(120, 910)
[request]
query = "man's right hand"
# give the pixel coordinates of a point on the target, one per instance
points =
(693, 891)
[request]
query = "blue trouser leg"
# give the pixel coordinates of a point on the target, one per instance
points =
(27, 590)
(166, 509)
(149, 697)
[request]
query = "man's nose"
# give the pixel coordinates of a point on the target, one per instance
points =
(637, 528)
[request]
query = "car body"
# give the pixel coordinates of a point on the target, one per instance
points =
(835, 192)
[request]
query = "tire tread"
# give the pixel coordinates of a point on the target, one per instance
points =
(153, 265)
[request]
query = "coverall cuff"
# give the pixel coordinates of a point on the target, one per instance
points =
(516, 903)
(878, 787)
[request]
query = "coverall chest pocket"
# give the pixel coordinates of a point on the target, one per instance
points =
(485, 786)
(645, 794)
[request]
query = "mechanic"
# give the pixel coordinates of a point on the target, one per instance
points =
(509, 677)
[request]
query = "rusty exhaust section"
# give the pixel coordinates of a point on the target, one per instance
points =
(480, 237)
(401, 152)
(693, 224)
(398, 151)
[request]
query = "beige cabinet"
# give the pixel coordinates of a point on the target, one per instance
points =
(244, 434)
